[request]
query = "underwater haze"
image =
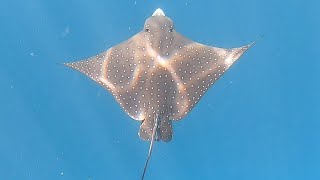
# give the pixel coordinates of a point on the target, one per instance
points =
(261, 120)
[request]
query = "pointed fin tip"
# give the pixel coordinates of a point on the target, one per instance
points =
(60, 64)
(260, 37)
(246, 47)
(158, 12)
(66, 64)
(249, 45)
(69, 64)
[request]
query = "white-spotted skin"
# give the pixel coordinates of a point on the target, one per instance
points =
(156, 71)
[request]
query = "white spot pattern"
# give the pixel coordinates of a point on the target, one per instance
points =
(158, 72)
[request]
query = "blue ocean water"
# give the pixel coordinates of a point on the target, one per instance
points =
(261, 120)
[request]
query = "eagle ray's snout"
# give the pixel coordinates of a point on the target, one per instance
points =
(158, 12)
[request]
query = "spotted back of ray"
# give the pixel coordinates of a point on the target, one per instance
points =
(158, 72)
(158, 75)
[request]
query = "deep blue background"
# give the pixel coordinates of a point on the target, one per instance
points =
(261, 120)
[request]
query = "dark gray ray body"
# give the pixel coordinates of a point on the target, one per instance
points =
(158, 72)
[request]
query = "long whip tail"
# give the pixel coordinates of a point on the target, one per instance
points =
(150, 147)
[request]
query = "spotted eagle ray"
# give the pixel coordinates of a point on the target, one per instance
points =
(158, 75)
